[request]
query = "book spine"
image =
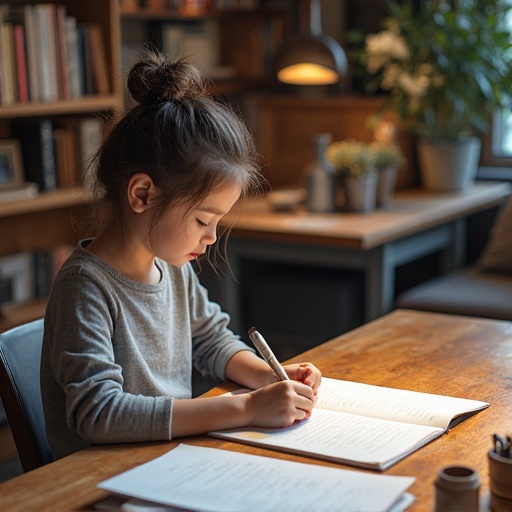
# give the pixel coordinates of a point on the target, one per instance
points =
(85, 60)
(3, 67)
(9, 91)
(48, 156)
(21, 62)
(38, 152)
(32, 53)
(46, 56)
(98, 61)
(25, 191)
(90, 137)
(62, 51)
(74, 66)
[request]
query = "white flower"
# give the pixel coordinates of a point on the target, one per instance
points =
(415, 86)
(390, 77)
(387, 44)
(376, 62)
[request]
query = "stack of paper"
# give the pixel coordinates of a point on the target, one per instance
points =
(211, 480)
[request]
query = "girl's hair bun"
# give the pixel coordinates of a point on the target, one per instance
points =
(155, 79)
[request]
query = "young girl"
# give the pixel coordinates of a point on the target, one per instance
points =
(127, 319)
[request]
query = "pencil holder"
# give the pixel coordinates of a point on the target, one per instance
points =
(500, 482)
(457, 489)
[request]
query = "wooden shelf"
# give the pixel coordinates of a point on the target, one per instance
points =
(82, 105)
(60, 198)
(173, 15)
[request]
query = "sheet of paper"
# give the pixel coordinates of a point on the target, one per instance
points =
(340, 437)
(211, 480)
(394, 404)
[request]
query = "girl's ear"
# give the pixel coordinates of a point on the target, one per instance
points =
(140, 192)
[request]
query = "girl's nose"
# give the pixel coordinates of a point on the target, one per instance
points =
(210, 237)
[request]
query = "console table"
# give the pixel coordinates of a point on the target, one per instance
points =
(417, 223)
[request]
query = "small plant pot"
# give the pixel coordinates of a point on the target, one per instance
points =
(386, 186)
(360, 193)
(449, 167)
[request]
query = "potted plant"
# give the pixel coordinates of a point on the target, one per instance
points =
(388, 158)
(353, 161)
(447, 66)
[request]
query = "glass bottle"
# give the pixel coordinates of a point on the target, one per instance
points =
(320, 185)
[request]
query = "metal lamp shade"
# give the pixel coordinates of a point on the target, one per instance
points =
(311, 60)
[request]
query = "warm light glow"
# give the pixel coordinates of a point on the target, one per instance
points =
(307, 74)
(385, 131)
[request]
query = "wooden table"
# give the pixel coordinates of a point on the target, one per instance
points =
(417, 223)
(450, 355)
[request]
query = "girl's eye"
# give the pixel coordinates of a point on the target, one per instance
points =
(201, 223)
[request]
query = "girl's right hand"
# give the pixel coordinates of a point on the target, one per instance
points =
(280, 404)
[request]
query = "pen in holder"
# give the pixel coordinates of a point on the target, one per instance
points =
(500, 474)
(457, 489)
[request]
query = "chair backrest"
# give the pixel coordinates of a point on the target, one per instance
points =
(20, 390)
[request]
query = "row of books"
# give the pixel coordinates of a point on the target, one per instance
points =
(199, 42)
(187, 6)
(28, 275)
(46, 55)
(57, 152)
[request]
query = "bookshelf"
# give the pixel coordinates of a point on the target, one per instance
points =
(54, 217)
(245, 39)
(233, 44)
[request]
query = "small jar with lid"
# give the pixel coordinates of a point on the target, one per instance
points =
(457, 489)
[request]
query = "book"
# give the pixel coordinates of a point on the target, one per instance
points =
(37, 147)
(16, 278)
(24, 15)
(77, 140)
(21, 62)
(85, 59)
(62, 51)
(98, 60)
(44, 31)
(363, 425)
(9, 94)
(90, 138)
(74, 60)
(21, 193)
(64, 139)
(47, 262)
(213, 480)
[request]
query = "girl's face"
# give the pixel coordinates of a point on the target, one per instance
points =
(184, 233)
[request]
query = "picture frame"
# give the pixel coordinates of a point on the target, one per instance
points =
(11, 164)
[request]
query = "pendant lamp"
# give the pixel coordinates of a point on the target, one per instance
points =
(312, 59)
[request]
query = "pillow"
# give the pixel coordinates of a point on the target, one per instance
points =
(497, 254)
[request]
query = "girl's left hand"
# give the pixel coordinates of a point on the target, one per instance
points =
(307, 373)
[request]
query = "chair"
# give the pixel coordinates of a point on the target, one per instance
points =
(20, 357)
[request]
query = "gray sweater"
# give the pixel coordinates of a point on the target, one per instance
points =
(116, 352)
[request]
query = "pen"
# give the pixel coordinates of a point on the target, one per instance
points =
(267, 354)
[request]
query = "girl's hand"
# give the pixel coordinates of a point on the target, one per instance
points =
(280, 404)
(307, 373)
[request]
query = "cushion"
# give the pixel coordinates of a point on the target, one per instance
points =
(497, 254)
(469, 291)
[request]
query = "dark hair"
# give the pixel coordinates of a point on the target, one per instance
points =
(186, 141)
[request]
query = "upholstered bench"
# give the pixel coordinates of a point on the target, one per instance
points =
(483, 289)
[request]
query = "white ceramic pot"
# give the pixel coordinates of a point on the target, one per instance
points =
(449, 166)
